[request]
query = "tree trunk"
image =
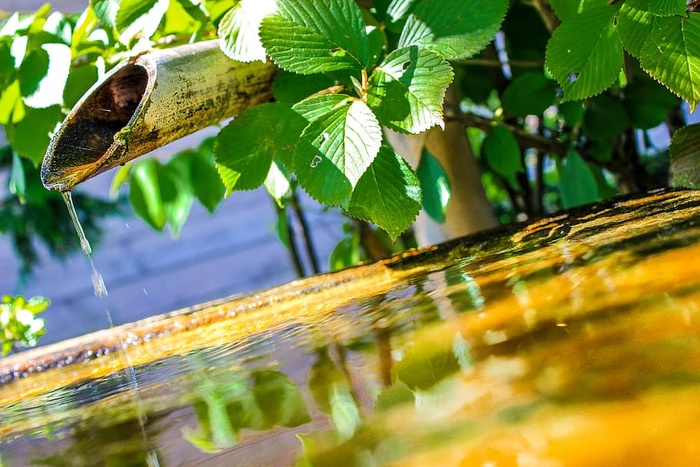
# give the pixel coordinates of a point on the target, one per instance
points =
(469, 210)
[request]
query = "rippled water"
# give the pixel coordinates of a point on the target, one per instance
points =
(570, 341)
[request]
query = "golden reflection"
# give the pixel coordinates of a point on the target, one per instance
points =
(574, 341)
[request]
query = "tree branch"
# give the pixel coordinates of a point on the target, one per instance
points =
(549, 18)
(524, 139)
(488, 62)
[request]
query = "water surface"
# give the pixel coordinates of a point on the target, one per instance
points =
(573, 340)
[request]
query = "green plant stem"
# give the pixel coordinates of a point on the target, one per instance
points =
(293, 250)
(306, 233)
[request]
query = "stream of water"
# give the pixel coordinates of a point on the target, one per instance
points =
(100, 290)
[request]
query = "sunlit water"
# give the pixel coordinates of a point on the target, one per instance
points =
(570, 341)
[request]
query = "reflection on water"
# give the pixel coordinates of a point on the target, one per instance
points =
(570, 341)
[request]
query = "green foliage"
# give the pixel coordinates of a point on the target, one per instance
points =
(454, 29)
(162, 194)
(239, 30)
(586, 64)
(388, 193)
(243, 162)
(306, 36)
(578, 184)
(407, 89)
(585, 53)
(437, 189)
(336, 157)
(19, 325)
(502, 153)
(528, 94)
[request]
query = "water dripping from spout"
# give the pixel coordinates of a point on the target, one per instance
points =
(98, 286)
(98, 283)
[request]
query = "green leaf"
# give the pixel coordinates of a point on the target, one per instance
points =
(455, 29)
(565, 8)
(144, 193)
(106, 11)
(7, 65)
(206, 183)
(277, 183)
(684, 153)
(344, 412)
(79, 81)
(647, 103)
(139, 17)
(37, 304)
(238, 30)
(184, 17)
(605, 117)
(345, 253)
(308, 36)
(503, 153)
(388, 194)
(585, 64)
(426, 363)
(246, 146)
(407, 89)
(34, 67)
(528, 94)
(396, 13)
(572, 112)
(336, 150)
(316, 107)
(160, 194)
(671, 55)
(435, 183)
(12, 108)
(177, 193)
(30, 137)
(659, 7)
(121, 176)
(293, 87)
(578, 185)
(634, 27)
(217, 8)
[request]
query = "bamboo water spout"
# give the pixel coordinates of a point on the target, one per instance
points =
(147, 102)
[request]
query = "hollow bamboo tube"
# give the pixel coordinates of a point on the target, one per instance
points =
(147, 102)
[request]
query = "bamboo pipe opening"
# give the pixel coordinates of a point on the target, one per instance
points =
(147, 102)
(88, 135)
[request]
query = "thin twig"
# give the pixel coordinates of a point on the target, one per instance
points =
(489, 62)
(306, 233)
(524, 139)
(293, 250)
(549, 18)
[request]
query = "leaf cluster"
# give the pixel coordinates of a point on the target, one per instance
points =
(19, 325)
(347, 73)
(585, 54)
